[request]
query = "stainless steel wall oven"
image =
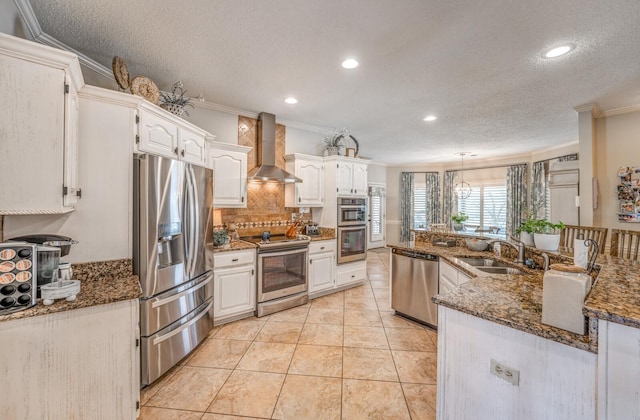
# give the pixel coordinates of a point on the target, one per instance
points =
(352, 229)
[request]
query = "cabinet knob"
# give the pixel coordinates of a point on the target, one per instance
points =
(353, 275)
(234, 260)
(321, 248)
(310, 261)
(175, 150)
(299, 199)
(182, 153)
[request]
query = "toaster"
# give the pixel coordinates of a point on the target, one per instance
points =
(311, 229)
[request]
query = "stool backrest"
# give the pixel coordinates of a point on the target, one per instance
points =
(624, 244)
(570, 232)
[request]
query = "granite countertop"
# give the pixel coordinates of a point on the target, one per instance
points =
(238, 245)
(616, 295)
(325, 235)
(511, 300)
(101, 283)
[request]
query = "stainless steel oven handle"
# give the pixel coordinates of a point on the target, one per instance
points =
(278, 254)
(167, 336)
(177, 296)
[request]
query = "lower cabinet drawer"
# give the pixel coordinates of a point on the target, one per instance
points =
(322, 246)
(352, 275)
(230, 259)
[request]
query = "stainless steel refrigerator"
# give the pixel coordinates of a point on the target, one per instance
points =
(172, 216)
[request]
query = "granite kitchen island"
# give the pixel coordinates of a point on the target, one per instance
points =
(497, 319)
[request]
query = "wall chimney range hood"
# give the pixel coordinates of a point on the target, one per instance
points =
(267, 171)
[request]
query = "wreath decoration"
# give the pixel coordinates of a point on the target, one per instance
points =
(347, 135)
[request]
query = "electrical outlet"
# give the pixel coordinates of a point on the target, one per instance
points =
(507, 373)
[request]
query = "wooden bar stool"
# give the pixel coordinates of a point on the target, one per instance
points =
(624, 244)
(570, 232)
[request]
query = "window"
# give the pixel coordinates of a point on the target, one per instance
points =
(376, 215)
(420, 205)
(486, 206)
(376, 212)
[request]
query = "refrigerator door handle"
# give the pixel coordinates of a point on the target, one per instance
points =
(196, 220)
(188, 215)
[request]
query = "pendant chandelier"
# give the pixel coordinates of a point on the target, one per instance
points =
(462, 189)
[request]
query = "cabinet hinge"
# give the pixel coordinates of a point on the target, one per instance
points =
(66, 88)
(242, 199)
(137, 342)
(79, 193)
(337, 190)
(137, 405)
(252, 271)
(65, 190)
(137, 139)
(137, 119)
(310, 261)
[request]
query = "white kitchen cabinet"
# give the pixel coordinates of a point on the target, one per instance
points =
(309, 192)
(39, 123)
(77, 364)
(163, 134)
(322, 263)
(351, 273)
(229, 164)
(618, 371)
(450, 277)
(234, 285)
(349, 175)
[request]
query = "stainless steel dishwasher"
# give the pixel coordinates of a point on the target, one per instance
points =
(414, 281)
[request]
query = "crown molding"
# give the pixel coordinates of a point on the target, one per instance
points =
(595, 111)
(37, 34)
(110, 96)
(619, 111)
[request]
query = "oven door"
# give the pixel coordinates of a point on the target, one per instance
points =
(352, 215)
(282, 273)
(352, 243)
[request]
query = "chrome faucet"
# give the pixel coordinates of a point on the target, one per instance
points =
(519, 246)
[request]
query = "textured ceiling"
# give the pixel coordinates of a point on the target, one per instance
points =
(476, 65)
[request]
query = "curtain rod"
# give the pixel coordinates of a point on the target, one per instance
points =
(420, 172)
(488, 167)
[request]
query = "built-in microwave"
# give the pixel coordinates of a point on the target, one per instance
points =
(352, 211)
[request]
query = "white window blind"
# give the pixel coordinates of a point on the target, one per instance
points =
(419, 206)
(376, 215)
(486, 206)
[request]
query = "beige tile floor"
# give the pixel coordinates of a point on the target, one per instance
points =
(342, 356)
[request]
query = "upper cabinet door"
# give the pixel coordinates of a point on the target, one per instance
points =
(230, 178)
(157, 135)
(72, 191)
(359, 179)
(310, 192)
(39, 128)
(192, 147)
(345, 178)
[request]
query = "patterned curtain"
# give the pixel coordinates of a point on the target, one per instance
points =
(567, 158)
(539, 205)
(406, 205)
(433, 197)
(516, 196)
(449, 198)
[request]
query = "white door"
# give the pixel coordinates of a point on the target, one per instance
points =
(344, 178)
(158, 136)
(377, 206)
(359, 179)
(230, 179)
(321, 275)
(310, 192)
(234, 291)
(192, 147)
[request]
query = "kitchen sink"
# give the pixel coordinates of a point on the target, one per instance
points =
(499, 270)
(488, 265)
(483, 262)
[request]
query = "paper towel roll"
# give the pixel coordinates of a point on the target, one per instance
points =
(580, 253)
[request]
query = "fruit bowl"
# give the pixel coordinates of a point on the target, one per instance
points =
(477, 244)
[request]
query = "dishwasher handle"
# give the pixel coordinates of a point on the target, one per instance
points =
(415, 254)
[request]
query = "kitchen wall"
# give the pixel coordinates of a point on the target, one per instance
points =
(616, 144)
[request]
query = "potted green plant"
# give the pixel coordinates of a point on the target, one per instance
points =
(526, 231)
(458, 220)
(546, 235)
(220, 237)
(333, 142)
(175, 101)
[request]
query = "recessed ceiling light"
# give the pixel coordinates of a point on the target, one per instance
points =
(291, 100)
(558, 51)
(350, 63)
(430, 118)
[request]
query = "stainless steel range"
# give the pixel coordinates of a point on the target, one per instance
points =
(282, 272)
